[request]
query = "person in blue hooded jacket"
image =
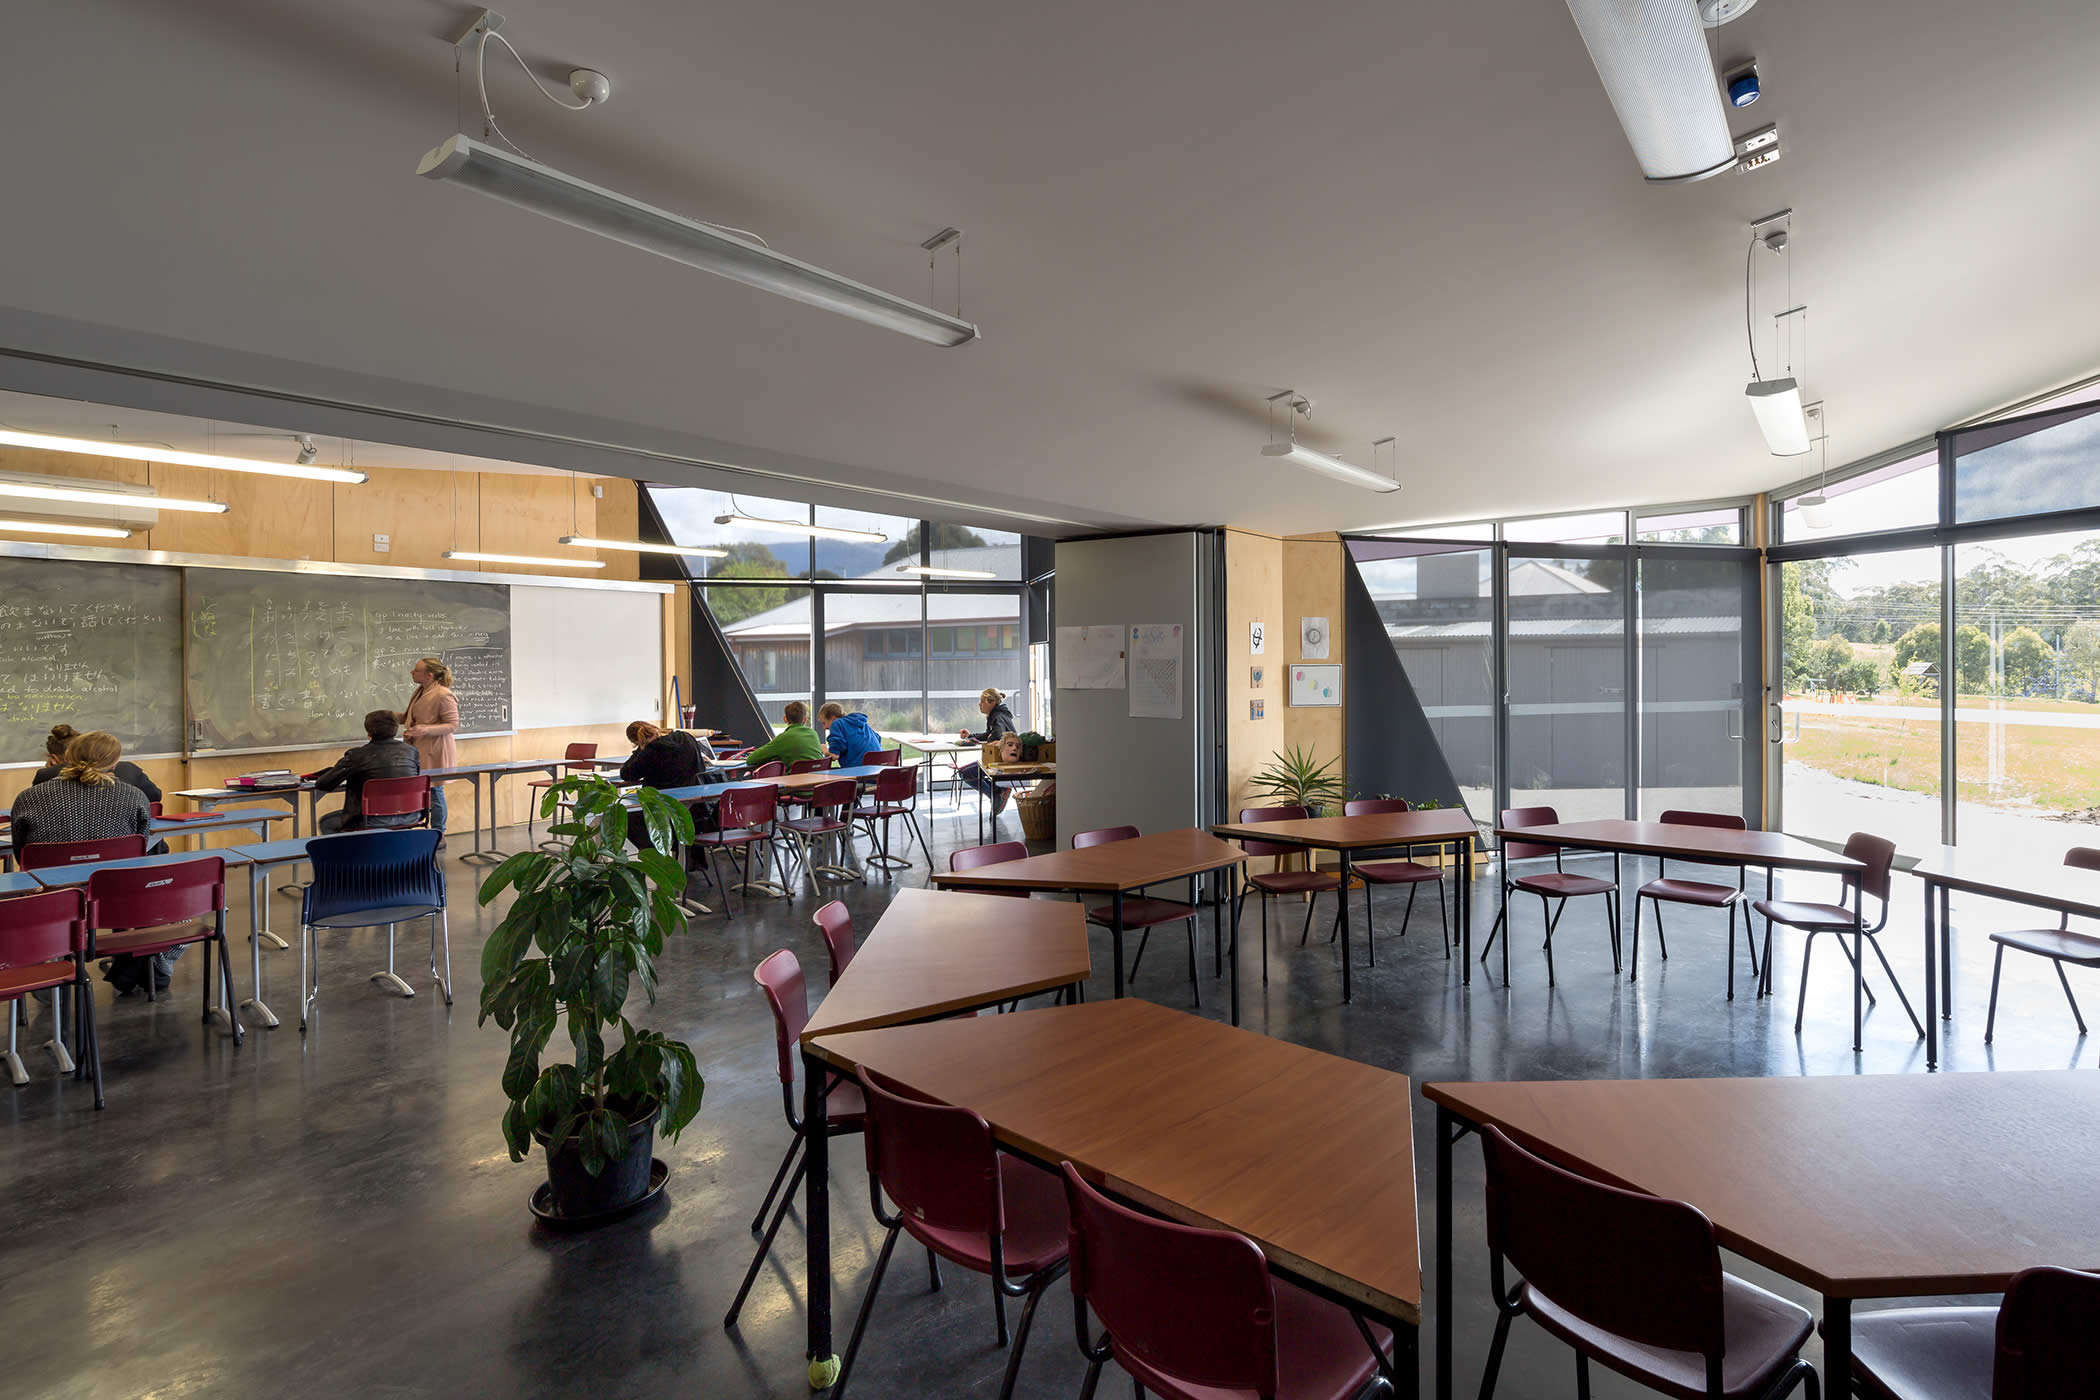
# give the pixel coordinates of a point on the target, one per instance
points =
(849, 737)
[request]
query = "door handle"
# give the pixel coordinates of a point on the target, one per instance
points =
(1776, 727)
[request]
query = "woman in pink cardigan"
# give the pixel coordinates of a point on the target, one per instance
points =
(428, 723)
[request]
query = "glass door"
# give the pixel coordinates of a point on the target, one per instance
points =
(1698, 661)
(1566, 680)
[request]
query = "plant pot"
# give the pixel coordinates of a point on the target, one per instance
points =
(574, 1193)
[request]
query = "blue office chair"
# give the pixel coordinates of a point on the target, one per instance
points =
(366, 878)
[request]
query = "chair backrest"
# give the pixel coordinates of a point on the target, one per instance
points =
(395, 797)
(1270, 814)
(746, 807)
(1641, 1267)
(1194, 1304)
(42, 928)
(835, 921)
(43, 855)
(2083, 857)
(894, 785)
(579, 751)
(992, 853)
(153, 809)
(780, 978)
(144, 896)
(937, 1163)
(1375, 806)
(808, 765)
(775, 769)
(825, 797)
(362, 870)
(1719, 821)
(882, 758)
(2045, 1340)
(1877, 856)
(1517, 817)
(1102, 836)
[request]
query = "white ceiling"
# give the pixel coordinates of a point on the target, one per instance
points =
(1424, 215)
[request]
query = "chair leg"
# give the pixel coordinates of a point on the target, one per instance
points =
(1144, 937)
(787, 1162)
(1195, 982)
(765, 1243)
(1582, 1376)
(1037, 1287)
(1311, 902)
(1443, 918)
(1859, 985)
(867, 1305)
(2058, 965)
(1662, 944)
(1634, 971)
(233, 1014)
(391, 978)
(1495, 929)
(1494, 1361)
(1905, 1000)
(16, 1071)
(933, 1272)
(441, 936)
(1265, 938)
(1551, 916)
(1731, 943)
(1808, 950)
(1749, 939)
(306, 954)
(91, 1046)
(1990, 1024)
(999, 1310)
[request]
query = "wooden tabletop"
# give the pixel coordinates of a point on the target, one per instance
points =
(930, 954)
(803, 782)
(1358, 833)
(1119, 865)
(1694, 843)
(1308, 1155)
(1021, 770)
(2059, 887)
(1860, 1186)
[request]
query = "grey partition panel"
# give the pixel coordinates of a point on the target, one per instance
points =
(1113, 770)
(96, 646)
(282, 660)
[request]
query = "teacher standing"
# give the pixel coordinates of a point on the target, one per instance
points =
(428, 723)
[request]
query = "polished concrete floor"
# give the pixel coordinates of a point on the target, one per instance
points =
(334, 1214)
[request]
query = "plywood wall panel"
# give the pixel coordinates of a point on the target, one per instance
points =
(270, 517)
(528, 514)
(1312, 587)
(414, 509)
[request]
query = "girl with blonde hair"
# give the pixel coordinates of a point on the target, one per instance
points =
(429, 722)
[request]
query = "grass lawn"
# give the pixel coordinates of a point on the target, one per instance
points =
(2054, 769)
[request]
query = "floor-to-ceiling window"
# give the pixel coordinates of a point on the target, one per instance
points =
(1698, 612)
(1437, 605)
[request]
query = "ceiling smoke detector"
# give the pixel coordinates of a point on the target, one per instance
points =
(1722, 11)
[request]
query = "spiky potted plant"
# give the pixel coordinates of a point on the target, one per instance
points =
(1297, 778)
(587, 924)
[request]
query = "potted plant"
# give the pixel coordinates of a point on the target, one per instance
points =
(1297, 778)
(586, 926)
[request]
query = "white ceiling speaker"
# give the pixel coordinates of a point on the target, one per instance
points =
(1722, 11)
(1653, 60)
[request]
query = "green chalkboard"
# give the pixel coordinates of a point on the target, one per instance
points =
(96, 646)
(282, 660)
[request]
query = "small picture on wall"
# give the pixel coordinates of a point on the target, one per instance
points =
(1254, 675)
(1254, 709)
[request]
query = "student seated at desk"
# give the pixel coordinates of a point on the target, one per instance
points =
(849, 737)
(663, 759)
(384, 754)
(792, 744)
(62, 736)
(998, 722)
(85, 802)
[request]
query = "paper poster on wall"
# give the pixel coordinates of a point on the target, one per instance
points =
(1257, 638)
(1090, 658)
(1316, 686)
(1155, 670)
(1312, 638)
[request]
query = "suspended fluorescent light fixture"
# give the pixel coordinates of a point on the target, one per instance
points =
(544, 190)
(934, 571)
(693, 550)
(1777, 404)
(1655, 67)
(1815, 506)
(52, 527)
(476, 556)
(29, 491)
(1291, 451)
(799, 527)
(142, 452)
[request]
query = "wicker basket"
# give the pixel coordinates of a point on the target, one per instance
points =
(1038, 815)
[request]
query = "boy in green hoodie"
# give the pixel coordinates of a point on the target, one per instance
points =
(792, 744)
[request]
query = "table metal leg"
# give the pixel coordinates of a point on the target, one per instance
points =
(1343, 894)
(1115, 929)
(1947, 952)
(1446, 1133)
(258, 899)
(816, 1216)
(1837, 1348)
(1932, 982)
(1232, 901)
(1464, 856)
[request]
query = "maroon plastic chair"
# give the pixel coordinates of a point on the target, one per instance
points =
(835, 922)
(1548, 886)
(1632, 1282)
(1271, 883)
(397, 797)
(572, 763)
(965, 1201)
(1699, 894)
(895, 794)
(1876, 857)
(787, 996)
(1409, 872)
(882, 758)
(774, 769)
(2038, 1345)
(44, 947)
(1194, 1314)
(826, 806)
(1142, 912)
(2059, 945)
(139, 910)
(808, 765)
(46, 855)
(991, 853)
(746, 815)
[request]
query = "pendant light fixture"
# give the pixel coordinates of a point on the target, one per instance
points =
(1289, 449)
(33, 491)
(1652, 58)
(935, 571)
(147, 452)
(53, 527)
(801, 527)
(1815, 506)
(1776, 403)
(692, 551)
(475, 556)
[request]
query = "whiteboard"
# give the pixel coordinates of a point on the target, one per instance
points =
(1319, 687)
(585, 656)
